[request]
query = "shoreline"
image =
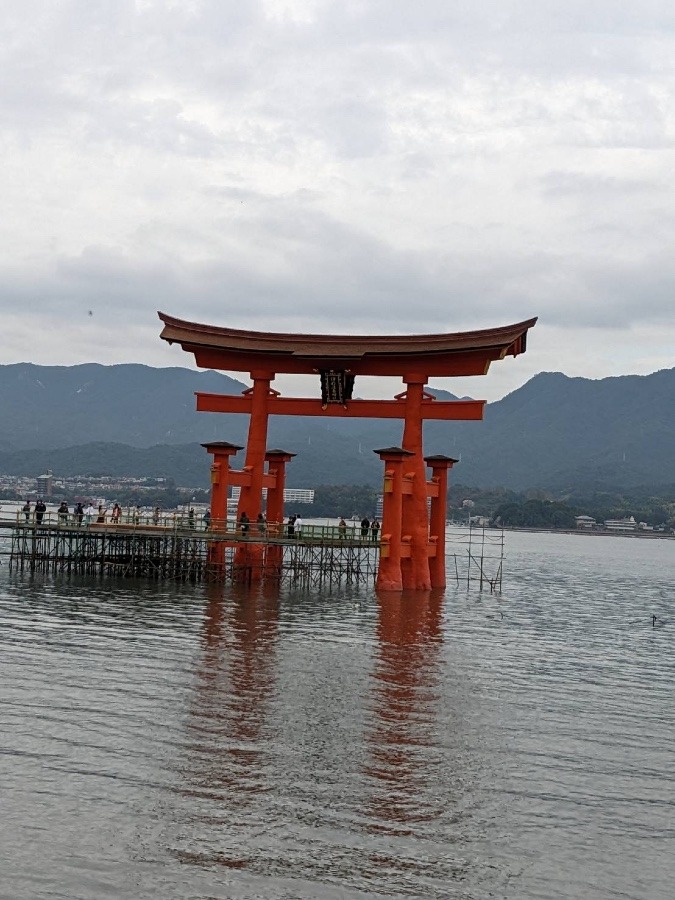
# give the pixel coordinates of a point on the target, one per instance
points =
(642, 535)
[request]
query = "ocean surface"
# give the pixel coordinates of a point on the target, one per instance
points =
(184, 742)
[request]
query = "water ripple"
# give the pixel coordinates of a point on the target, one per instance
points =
(200, 742)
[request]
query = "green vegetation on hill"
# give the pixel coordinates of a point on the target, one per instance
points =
(535, 514)
(345, 500)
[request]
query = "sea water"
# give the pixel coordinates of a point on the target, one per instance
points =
(180, 741)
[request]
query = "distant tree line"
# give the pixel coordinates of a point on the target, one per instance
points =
(535, 514)
(527, 509)
(539, 509)
(335, 500)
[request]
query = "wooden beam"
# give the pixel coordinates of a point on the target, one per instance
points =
(239, 478)
(462, 410)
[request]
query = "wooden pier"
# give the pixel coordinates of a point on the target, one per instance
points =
(176, 550)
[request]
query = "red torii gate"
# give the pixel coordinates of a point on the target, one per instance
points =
(412, 542)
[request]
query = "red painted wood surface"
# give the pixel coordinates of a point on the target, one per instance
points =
(465, 410)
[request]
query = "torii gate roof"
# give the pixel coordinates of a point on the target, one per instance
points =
(456, 353)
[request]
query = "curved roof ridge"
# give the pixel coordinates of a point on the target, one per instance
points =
(217, 346)
(266, 337)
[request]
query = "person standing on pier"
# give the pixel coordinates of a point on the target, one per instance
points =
(291, 526)
(374, 529)
(40, 510)
(27, 511)
(78, 513)
(261, 523)
(63, 513)
(365, 525)
(342, 529)
(244, 524)
(298, 527)
(89, 513)
(207, 520)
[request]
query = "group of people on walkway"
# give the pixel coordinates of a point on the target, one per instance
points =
(370, 527)
(38, 511)
(85, 515)
(294, 527)
(81, 515)
(244, 524)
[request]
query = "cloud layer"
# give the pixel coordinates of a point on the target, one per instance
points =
(361, 166)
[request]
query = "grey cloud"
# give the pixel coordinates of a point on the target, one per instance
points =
(490, 161)
(354, 128)
(157, 125)
(345, 280)
(400, 19)
(339, 83)
(582, 184)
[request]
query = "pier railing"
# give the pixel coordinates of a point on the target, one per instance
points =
(185, 525)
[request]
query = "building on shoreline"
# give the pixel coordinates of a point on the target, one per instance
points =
(291, 495)
(628, 524)
(585, 522)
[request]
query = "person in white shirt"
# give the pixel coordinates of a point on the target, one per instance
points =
(298, 526)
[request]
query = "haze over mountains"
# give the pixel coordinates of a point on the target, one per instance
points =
(553, 433)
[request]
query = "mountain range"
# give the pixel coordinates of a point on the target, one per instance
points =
(555, 432)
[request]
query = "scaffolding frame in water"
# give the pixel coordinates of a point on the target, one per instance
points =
(185, 556)
(478, 555)
(318, 565)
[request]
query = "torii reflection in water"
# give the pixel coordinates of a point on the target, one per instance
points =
(258, 799)
(402, 747)
(234, 684)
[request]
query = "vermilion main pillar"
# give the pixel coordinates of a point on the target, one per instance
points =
(415, 570)
(249, 558)
(250, 498)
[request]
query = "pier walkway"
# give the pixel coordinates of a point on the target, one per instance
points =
(180, 548)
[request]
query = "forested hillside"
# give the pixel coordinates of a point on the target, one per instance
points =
(555, 432)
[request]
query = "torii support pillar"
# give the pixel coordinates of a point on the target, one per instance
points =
(389, 575)
(439, 466)
(220, 480)
(276, 467)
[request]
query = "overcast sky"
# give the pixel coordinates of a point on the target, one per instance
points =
(362, 166)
